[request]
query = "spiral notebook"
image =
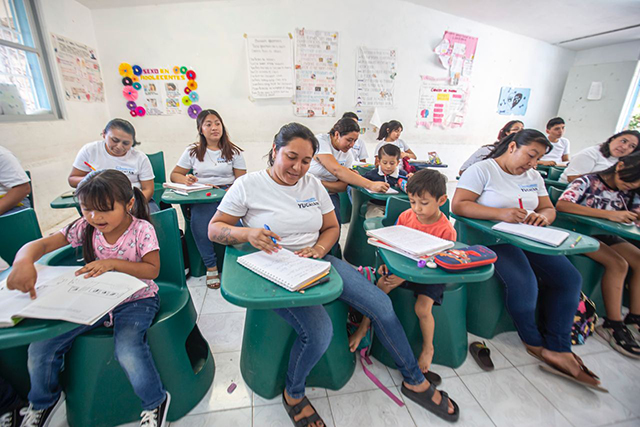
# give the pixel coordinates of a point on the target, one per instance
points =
(286, 269)
(412, 242)
(546, 235)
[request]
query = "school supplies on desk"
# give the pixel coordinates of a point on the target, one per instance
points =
(186, 189)
(408, 240)
(286, 269)
(545, 235)
(61, 295)
(389, 191)
(465, 258)
(68, 194)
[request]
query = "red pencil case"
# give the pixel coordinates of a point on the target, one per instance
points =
(465, 258)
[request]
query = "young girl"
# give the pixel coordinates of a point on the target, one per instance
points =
(215, 160)
(115, 235)
(116, 151)
(388, 171)
(514, 126)
(603, 156)
(612, 194)
(390, 134)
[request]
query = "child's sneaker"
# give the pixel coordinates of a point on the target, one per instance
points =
(14, 417)
(40, 417)
(156, 417)
(633, 323)
(619, 337)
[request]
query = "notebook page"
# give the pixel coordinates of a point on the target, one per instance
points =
(409, 240)
(389, 191)
(183, 187)
(548, 236)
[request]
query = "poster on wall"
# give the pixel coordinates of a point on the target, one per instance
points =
(270, 63)
(159, 91)
(376, 71)
(316, 70)
(79, 70)
(441, 104)
(456, 53)
(513, 101)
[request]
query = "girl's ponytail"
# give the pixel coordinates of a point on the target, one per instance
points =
(140, 207)
(384, 131)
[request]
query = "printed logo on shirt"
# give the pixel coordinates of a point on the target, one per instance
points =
(126, 171)
(221, 160)
(308, 203)
(342, 162)
(529, 188)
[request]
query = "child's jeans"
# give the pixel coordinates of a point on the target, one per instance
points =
(130, 324)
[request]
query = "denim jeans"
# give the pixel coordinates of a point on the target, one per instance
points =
(559, 290)
(335, 199)
(201, 215)
(315, 330)
(153, 206)
(25, 205)
(130, 324)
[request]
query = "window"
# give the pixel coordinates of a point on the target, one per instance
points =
(26, 89)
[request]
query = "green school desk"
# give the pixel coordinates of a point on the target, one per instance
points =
(196, 266)
(65, 203)
(557, 184)
(268, 338)
(594, 226)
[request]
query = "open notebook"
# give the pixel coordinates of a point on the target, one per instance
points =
(61, 295)
(546, 235)
(286, 269)
(389, 191)
(412, 242)
(183, 188)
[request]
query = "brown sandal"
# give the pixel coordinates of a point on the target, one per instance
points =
(585, 377)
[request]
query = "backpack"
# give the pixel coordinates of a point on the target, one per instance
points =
(584, 321)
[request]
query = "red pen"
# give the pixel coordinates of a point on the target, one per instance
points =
(90, 167)
(520, 202)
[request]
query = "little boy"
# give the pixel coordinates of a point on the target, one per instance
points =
(427, 190)
(387, 171)
(560, 151)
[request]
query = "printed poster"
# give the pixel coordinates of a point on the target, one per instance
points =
(456, 53)
(513, 101)
(316, 70)
(79, 70)
(376, 71)
(270, 63)
(441, 104)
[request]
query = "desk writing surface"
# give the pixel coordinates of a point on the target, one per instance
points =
(64, 202)
(200, 196)
(594, 226)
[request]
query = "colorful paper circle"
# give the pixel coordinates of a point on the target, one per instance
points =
(183, 70)
(125, 70)
(131, 105)
(176, 70)
(135, 79)
(194, 96)
(137, 86)
(127, 81)
(129, 93)
(191, 84)
(194, 110)
(186, 101)
(191, 75)
(140, 111)
(136, 70)
(133, 113)
(187, 90)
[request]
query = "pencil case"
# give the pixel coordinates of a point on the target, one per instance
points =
(465, 258)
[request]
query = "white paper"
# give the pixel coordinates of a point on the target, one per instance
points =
(186, 188)
(441, 104)
(389, 191)
(376, 71)
(270, 63)
(546, 235)
(3, 264)
(375, 119)
(409, 240)
(595, 91)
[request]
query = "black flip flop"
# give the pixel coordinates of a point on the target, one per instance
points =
(433, 378)
(424, 399)
(294, 410)
(482, 355)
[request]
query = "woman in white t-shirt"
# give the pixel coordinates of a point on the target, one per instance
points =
(116, 151)
(603, 156)
(483, 152)
(333, 161)
(390, 134)
(298, 210)
(14, 184)
(214, 160)
(506, 187)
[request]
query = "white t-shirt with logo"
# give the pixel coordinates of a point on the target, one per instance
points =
(214, 169)
(11, 173)
(560, 148)
(135, 164)
(325, 147)
(403, 146)
(589, 160)
(498, 189)
(292, 212)
(359, 150)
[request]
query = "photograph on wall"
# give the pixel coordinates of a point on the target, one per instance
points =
(270, 62)
(513, 101)
(441, 104)
(376, 71)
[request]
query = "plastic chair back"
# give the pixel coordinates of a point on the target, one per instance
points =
(157, 164)
(30, 196)
(17, 229)
(554, 173)
(165, 223)
(397, 205)
(554, 194)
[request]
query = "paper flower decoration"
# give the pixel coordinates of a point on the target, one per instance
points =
(186, 101)
(140, 111)
(191, 75)
(194, 96)
(127, 81)
(194, 110)
(137, 86)
(125, 70)
(191, 84)
(131, 105)
(136, 70)
(129, 93)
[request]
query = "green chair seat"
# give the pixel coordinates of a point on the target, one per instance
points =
(554, 173)
(17, 229)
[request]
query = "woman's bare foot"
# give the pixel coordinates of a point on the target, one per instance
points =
(356, 337)
(437, 397)
(535, 351)
(424, 361)
(307, 411)
(565, 361)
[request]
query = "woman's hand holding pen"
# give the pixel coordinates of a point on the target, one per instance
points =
(537, 219)
(378, 187)
(190, 179)
(513, 215)
(265, 240)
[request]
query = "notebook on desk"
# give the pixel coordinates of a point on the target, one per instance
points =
(545, 235)
(186, 188)
(410, 241)
(389, 191)
(286, 269)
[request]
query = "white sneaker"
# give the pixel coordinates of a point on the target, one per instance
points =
(156, 417)
(40, 417)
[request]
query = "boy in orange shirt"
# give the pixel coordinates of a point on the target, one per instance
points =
(427, 190)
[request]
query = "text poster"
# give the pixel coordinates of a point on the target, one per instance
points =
(375, 77)
(456, 53)
(270, 63)
(441, 104)
(79, 70)
(316, 70)
(513, 101)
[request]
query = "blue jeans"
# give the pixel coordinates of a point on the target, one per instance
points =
(25, 205)
(201, 215)
(559, 290)
(153, 206)
(335, 199)
(130, 324)
(315, 330)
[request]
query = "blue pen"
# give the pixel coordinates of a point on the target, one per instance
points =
(266, 227)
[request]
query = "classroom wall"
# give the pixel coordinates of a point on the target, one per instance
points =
(48, 148)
